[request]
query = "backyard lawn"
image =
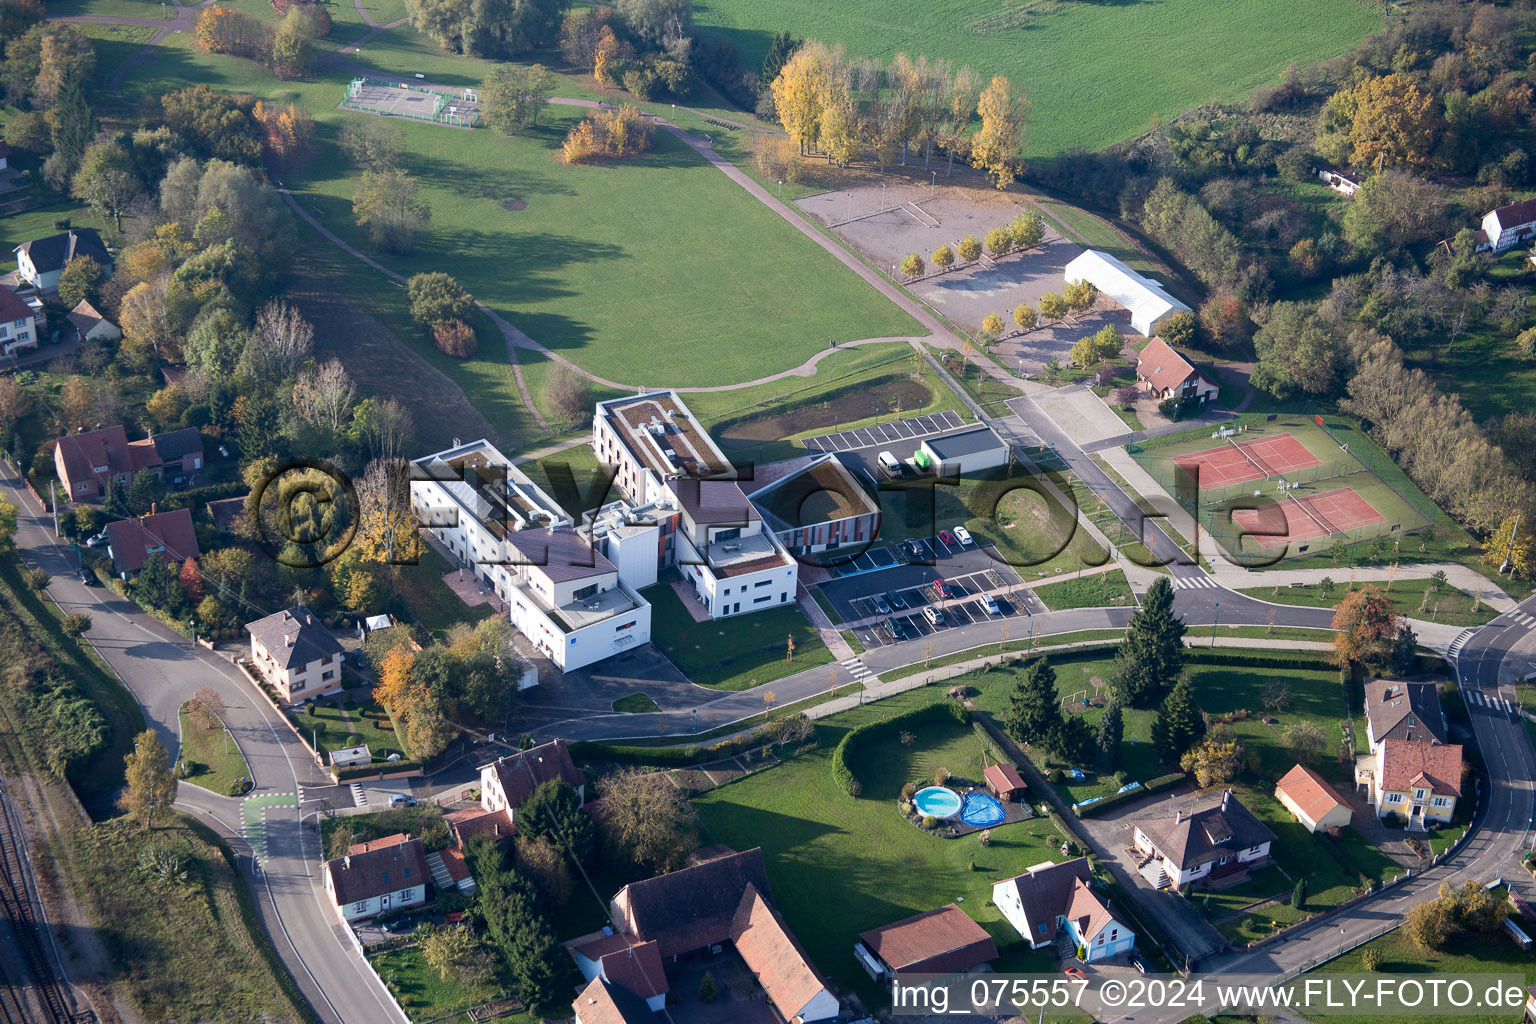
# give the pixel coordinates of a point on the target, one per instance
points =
(213, 753)
(425, 995)
(430, 602)
(348, 720)
(735, 653)
(818, 840)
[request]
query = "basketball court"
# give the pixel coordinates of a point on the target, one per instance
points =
(1239, 461)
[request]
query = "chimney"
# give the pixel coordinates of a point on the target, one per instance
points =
(1224, 798)
(154, 507)
(1178, 817)
(347, 861)
(287, 640)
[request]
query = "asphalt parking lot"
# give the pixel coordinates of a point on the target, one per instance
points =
(887, 433)
(897, 584)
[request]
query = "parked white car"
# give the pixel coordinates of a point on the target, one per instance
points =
(963, 536)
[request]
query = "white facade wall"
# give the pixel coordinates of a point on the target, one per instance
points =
(634, 478)
(18, 335)
(636, 551)
(823, 1006)
(1505, 239)
(726, 596)
(376, 905)
(573, 649)
(1113, 938)
(313, 680)
(1199, 871)
(1006, 896)
(964, 465)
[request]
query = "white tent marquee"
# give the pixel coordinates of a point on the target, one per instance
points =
(1148, 303)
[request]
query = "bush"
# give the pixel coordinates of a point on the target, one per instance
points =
(38, 579)
(941, 777)
(860, 735)
(76, 624)
(1372, 959)
(239, 787)
(608, 135)
(908, 790)
(1299, 894)
(455, 338)
(436, 297)
(1053, 776)
(929, 821)
(707, 991)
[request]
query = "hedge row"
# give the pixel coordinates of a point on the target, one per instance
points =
(1157, 785)
(940, 711)
(362, 771)
(658, 757)
(1313, 660)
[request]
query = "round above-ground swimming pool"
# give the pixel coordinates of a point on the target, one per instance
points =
(982, 810)
(937, 801)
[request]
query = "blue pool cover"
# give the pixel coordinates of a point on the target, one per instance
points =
(981, 810)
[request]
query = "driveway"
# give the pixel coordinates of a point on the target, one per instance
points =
(1112, 835)
(1082, 415)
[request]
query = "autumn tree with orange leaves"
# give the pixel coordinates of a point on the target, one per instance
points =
(1364, 627)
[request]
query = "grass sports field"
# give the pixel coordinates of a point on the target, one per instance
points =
(1328, 490)
(1096, 72)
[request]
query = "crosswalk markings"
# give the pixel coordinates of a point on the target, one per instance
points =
(856, 667)
(1460, 641)
(1195, 583)
(1523, 619)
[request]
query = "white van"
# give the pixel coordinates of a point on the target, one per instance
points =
(890, 463)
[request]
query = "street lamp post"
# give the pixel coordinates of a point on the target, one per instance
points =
(695, 721)
(849, 215)
(882, 197)
(932, 183)
(1341, 940)
(1215, 621)
(781, 188)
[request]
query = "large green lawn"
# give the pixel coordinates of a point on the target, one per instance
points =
(1096, 72)
(738, 652)
(213, 754)
(1447, 605)
(822, 845)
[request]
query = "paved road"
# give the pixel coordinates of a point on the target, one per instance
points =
(163, 670)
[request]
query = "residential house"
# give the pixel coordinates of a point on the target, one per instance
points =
(1215, 844)
(814, 503)
(376, 877)
(1398, 710)
(296, 654)
(942, 941)
(1004, 782)
(1056, 902)
(1166, 374)
(508, 781)
(41, 261)
(1316, 804)
(90, 325)
(18, 325)
(603, 1002)
(1508, 226)
(87, 461)
(733, 563)
(169, 536)
(622, 960)
(652, 438)
(724, 899)
(963, 453)
(690, 909)
(1420, 781)
(1146, 300)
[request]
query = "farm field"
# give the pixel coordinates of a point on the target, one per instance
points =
(1096, 73)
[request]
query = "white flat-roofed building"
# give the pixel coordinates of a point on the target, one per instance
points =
(1149, 304)
(652, 438)
(734, 565)
(560, 593)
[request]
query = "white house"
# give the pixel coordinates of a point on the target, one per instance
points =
(508, 781)
(1345, 184)
(296, 653)
(90, 325)
(18, 325)
(1051, 901)
(1508, 226)
(1165, 373)
(1215, 844)
(604, 1002)
(1149, 304)
(621, 960)
(377, 877)
(41, 261)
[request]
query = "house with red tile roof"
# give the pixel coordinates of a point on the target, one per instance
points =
(18, 324)
(1420, 781)
(166, 535)
(624, 960)
(1166, 374)
(1215, 843)
(942, 941)
(1050, 900)
(1316, 804)
(603, 1002)
(775, 958)
(376, 877)
(87, 461)
(507, 781)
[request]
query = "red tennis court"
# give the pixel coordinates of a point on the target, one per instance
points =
(1334, 511)
(1240, 461)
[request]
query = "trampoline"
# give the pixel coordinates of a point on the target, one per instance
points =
(982, 810)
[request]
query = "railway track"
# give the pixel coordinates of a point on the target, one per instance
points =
(19, 904)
